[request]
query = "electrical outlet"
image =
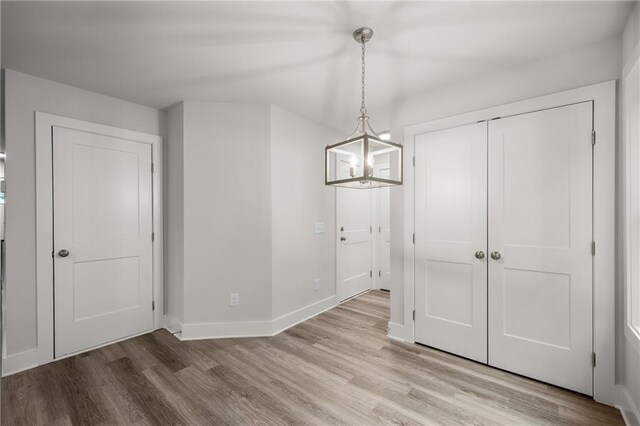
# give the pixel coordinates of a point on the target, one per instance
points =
(234, 299)
(319, 228)
(316, 284)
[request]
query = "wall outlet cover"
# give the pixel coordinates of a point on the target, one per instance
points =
(319, 228)
(316, 284)
(234, 299)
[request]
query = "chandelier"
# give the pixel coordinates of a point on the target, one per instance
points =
(364, 160)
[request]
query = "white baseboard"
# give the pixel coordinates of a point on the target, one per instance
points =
(286, 321)
(400, 332)
(627, 406)
(172, 324)
(21, 361)
(225, 330)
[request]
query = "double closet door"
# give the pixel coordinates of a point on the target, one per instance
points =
(503, 244)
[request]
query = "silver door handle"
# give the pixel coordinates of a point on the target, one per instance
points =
(63, 253)
(343, 238)
(495, 255)
(480, 254)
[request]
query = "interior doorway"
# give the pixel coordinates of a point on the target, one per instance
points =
(99, 235)
(363, 248)
(382, 239)
(354, 242)
(103, 239)
(503, 243)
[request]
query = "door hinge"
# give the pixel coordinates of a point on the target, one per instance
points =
(52, 254)
(414, 314)
(153, 167)
(593, 248)
(593, 359)
(414, 161)
(379, 273)
(153, 236)
(153, 305)
(379, 228)
(370, 274)
(371, 229)
(593, 137)
(414, 238)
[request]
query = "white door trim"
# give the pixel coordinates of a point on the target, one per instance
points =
(604, 97)
(44, 220)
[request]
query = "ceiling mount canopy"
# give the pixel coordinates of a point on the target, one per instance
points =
(363, 35)
(364, 160)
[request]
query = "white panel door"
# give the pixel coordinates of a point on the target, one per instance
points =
(384, 234)
(540, 222)
(354, 241)
(451, 228)
(384, 230)
(103, 219)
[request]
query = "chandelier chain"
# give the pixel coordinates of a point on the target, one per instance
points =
(363, 108)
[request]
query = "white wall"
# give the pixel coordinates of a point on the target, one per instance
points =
(24, 95)
(299, 199)
(591, 64)
(628, 359)
(631, 35)
(227, 213)
(174, 215)
(246, 186)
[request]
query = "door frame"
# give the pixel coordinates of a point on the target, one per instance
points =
(603, 96)
(44, 221)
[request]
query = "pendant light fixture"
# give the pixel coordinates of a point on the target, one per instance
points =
(364, 160)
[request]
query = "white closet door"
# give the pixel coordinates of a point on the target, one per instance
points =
(451, 226)
(102, 238)
(540, 222)
(354, 241)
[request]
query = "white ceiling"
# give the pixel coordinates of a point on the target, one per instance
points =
(298, 55)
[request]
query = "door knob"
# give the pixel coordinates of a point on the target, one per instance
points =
(343, 238)
(495, 255)
(63, 253)
(479, 254)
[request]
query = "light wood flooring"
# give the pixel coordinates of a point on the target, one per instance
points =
(337, 368)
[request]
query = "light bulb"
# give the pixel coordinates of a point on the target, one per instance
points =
(370, 162)
(353, 162)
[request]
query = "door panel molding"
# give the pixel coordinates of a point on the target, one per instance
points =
(44, 124)
(603, 96)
